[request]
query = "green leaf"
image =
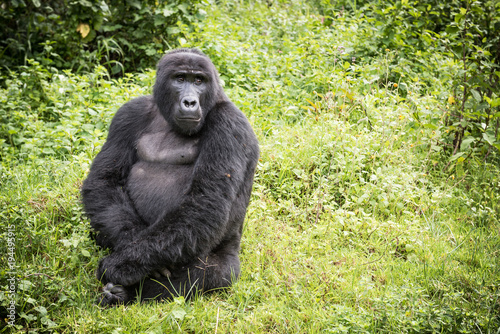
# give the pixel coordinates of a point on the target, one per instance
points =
(168, 12)
(159, 20)
(476, 95)
(47, 322)
(178, 313)
(494, 103)
(173, 30)
(489, 137)
(183, 7)
(456, 156)
(466, 143)
(28, 317)
(48, 151)
(24, 285)
(42, 310)
(135, 4)
(150, 51)
(451, 29)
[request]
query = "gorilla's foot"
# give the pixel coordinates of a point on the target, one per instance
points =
(112, 295)
(161, 272)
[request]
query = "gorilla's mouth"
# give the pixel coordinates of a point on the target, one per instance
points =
(188, 119)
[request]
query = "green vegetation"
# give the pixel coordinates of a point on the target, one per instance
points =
(376, 203)
(77, 34)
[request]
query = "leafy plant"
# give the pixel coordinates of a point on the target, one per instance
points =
(465, 31)
(473, 119)
(121, 35)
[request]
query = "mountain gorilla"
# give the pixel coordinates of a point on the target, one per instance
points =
(169, 190)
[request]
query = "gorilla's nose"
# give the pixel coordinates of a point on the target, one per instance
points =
(189, 104)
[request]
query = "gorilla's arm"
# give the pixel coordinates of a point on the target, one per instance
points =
(224, 169)
(105, 200)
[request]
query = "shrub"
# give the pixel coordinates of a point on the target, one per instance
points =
(122, 35)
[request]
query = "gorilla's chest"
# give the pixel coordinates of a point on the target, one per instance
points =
(159, 180)
(167, 149)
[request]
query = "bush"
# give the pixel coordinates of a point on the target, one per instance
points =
(122, 35)
(421, 33)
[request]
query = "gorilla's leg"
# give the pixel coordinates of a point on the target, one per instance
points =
(216, 271)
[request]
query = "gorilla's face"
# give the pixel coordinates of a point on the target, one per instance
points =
(186, 89)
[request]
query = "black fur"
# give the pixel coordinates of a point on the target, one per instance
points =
(169, 194)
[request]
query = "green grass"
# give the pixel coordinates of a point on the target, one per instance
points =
(354, 224)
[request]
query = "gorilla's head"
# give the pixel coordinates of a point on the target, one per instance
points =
(186, 89)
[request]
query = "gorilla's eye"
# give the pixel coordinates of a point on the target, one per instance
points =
(198, 80)
(180, 78)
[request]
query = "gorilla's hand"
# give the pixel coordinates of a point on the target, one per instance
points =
(118, 270)
(112, 295)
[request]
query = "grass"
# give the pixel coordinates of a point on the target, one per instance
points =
(353, 224)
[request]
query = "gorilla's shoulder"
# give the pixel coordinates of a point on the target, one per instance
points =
(227, 118)
(138, 107)
(134, 115)
(228, 110)
(135, 110)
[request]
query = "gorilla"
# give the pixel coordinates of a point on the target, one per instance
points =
(169, 190)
